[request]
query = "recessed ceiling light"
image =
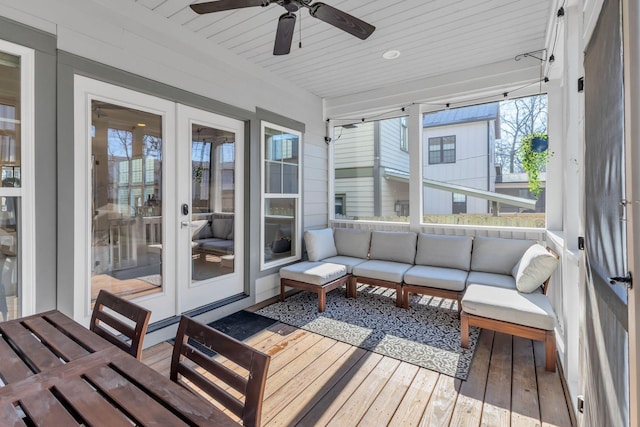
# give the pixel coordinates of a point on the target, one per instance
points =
(391, 54)
(141, 125)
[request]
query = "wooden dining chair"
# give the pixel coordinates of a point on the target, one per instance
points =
(134, 333)
(192, 334)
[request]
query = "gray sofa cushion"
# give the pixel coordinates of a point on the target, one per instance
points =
(444, 251)
(204, 233)
(491, 279)
(394, 246)
(216, 245)
(319, 244)
(221, 227)
(315, 273)
(495, 255)
(353, 243)
(450, 279)
(382, 270)
(509, 305)
(347, 261)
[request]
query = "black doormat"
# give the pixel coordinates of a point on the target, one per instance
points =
(242, 324)
(239, 325)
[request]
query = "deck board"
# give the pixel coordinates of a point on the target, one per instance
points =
(497, 400)
(317, 381)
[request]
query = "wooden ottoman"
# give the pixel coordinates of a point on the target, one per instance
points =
(318, 277)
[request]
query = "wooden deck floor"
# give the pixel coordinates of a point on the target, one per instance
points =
(318, 381)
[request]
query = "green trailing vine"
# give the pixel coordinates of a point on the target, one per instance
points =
(533, 161)
(197, 174)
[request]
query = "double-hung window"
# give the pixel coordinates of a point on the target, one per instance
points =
(281, 184)
(442, 150)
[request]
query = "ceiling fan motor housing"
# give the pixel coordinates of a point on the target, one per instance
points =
(290, 5)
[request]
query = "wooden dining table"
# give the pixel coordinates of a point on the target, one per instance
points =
(55, 372)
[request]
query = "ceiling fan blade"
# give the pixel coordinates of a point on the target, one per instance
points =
(284, 35)
(222, 5)
(342, 20)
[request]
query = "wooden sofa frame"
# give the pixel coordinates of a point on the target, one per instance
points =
(549, 337)
(435, 292)
(378, 282)
(322, 290)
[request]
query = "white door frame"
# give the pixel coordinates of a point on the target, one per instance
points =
(26, 191)
(192, 294)
(162, 304)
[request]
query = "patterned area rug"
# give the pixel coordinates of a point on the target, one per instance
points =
(427, 334)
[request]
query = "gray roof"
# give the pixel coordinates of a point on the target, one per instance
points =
(474, 113)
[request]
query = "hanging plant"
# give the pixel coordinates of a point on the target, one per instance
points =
(534, 159)
(197, 174)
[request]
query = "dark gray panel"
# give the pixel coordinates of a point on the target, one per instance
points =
(604, 311)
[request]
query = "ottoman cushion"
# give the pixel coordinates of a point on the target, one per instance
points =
(315, 273)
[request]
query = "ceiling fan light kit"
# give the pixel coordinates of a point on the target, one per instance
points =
(287, 21)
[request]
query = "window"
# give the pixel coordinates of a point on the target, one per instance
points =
(340, 205)
(404, 136)
(471, 166)
(442, 150)
(371, 169)
(459, 203)
(280, 195)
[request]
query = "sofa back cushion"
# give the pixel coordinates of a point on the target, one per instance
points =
(353, 243)
(534, 268)
(205, 232)
(495, 255)
(444, 251)
(320, 244)
(221, 227)
(395, 246)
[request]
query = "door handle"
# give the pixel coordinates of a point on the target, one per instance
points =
(187, 224)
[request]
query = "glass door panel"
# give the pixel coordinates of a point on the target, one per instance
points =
(211, 229)
(10, 185)
(213, 202)
(126, 189)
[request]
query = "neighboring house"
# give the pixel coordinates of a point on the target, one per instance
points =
(515, 184)
(372, 164)
(364, 153)
(459, 149)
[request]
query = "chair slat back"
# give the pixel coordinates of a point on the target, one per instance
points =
(253, 361)
(134, 333)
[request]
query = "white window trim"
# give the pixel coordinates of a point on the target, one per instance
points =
(296, 241)
(26, 192)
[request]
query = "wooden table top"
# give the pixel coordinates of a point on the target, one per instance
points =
(56, 372)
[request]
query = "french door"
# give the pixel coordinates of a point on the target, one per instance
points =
(156, 200)
(210, 235)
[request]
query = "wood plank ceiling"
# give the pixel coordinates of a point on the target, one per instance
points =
(434, 37)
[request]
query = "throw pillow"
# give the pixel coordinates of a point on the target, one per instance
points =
(535, 266)
(320, 244)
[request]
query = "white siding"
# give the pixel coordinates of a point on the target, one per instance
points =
(359, 193)
(392, 191)
(354, 147)
(391, 155)
(470, 168)
(315, 186)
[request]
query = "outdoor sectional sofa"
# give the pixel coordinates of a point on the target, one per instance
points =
(499, 284)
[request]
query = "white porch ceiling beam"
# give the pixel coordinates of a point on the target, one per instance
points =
(463, 87)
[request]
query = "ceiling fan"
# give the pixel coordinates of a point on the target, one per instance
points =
(287, 21)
